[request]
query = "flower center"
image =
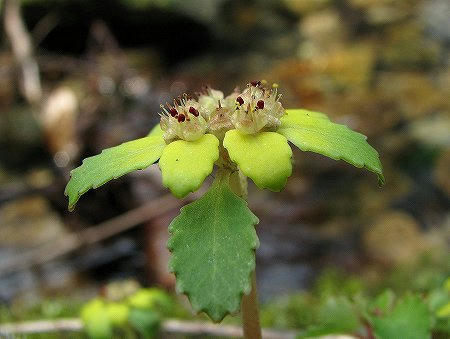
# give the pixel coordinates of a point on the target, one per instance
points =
(250, 111)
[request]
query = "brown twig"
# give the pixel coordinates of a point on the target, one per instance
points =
(170, 326)
(22, 48)
(74, 241)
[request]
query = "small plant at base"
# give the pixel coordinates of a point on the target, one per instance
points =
(245, 134)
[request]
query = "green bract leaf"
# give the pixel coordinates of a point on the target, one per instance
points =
(186, 164)
(410, 319)
(213, 243)
(312, 131)
(156, 131)
(265, 157)
(112, 163)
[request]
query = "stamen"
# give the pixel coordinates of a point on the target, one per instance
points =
(173, 112)
(240, 101)
(255, 83)
(181, 117)
(260, 104)
(193, 111)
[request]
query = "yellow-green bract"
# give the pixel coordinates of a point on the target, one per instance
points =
(264, 157)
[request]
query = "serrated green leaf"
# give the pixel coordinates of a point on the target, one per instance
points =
(213, 243)
(312, 131)
(185, 164)
(112, 163)
(410, 319)
(264, 157)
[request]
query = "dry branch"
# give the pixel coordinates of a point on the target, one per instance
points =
(170, 326)
(74, 241)
(22, 48)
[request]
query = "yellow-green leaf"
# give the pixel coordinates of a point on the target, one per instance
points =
(264, 157)
(112, 163)
(186, 164)
(312, 131)
(156, 131)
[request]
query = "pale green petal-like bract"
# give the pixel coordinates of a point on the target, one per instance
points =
(156, 131)
(312, 131)
(186, 164)
(264, 157)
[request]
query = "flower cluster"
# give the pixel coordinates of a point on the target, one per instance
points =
(256, 109)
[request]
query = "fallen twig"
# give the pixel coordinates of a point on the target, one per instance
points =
(22, 48)
(170, 326)
(104, 230)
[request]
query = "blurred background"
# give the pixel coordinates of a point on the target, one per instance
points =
(78, 76)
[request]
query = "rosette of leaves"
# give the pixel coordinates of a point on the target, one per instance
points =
(141, 312)
(245, 135)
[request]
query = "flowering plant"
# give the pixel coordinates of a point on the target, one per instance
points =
(244, 134)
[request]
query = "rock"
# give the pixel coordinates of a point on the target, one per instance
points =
(301, 7)
(441, 172)
(405, 46)
(432, 131)
(415, 94)
(394, 239)
(58, 119)
(29, 222)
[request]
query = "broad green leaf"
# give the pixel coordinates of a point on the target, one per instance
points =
(185, 164)
(410, 319)
(213, 243)
(264, 157)
(96, 320)
(112, 163)
(312, 131)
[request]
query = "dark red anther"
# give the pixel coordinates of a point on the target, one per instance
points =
(240, 101)
(260, 104)
(255, 83)
(173, 112)
(181, 118)
(193, 111)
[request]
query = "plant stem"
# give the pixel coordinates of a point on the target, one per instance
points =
(250, 313)
(249, 307)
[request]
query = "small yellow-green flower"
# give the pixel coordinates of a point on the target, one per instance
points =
(247, 130)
